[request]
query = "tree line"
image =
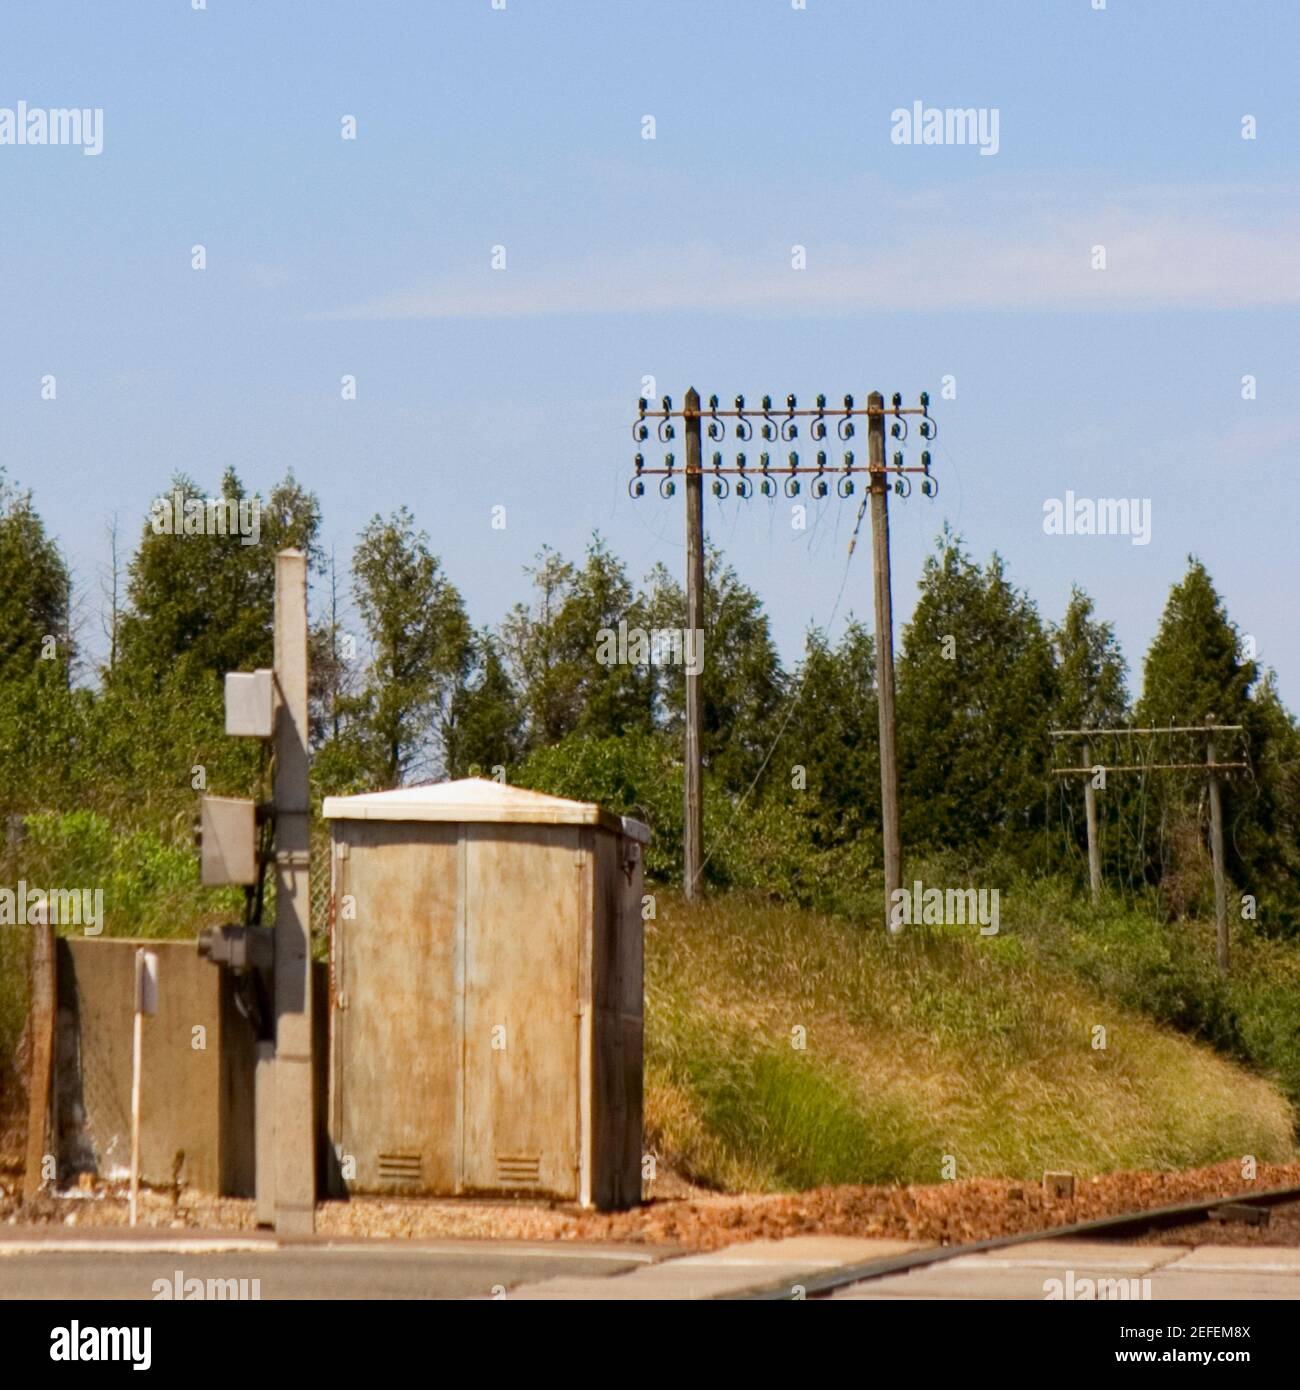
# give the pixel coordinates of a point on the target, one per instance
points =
(405, 688)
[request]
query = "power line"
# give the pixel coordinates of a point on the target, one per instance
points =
(764, 476)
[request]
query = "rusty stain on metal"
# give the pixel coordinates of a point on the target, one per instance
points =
(488, 942)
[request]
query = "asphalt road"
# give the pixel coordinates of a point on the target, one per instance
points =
(426, 1270)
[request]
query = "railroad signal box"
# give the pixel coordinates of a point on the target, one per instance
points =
(486, 994)
(227, 841)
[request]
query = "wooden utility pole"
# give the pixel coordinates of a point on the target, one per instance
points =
(884, 648)
(295, 1128)
(1212, 769)
(44, 1009)
(693, 824)
(1216, 854)
(1090, 814)
(759, 477)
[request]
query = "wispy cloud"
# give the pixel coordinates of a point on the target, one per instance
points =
(1188, 248)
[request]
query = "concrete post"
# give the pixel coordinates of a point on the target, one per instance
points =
(294, 1093)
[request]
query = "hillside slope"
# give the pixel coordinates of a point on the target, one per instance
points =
(787, 1050)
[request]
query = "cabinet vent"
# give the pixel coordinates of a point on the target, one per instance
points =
(519, 1170)
(400, 1167)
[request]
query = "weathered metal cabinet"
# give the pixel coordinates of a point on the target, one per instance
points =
(486, 994)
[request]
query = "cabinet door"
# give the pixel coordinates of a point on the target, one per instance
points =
(524, 904)
(396, 1025)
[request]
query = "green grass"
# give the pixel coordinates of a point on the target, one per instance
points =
(934, 1049)
(935, 1052)
(1168, 971)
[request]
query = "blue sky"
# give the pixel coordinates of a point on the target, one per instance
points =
(671, 258)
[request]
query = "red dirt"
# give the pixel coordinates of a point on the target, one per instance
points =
(947, 1213)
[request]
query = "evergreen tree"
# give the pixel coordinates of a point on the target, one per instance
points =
(976, 688)
(485, 726)
(203, 603)
(614, 698)
(542, 668)
(420, 648)
(833, 738)
(332, 662)
(1194, 666)
(558, 649)
(1266, 832)
(741, 677)
(1091, 694)
(35, 589)
(1090, 669)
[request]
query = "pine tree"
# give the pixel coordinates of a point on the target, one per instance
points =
(976, 688)
(1194, 669)
(1194, 666)
(554, 646)
(832, 737)
(485, 725)
(1266, 832)
(741, 677)
(1091, 694)
(203, 604)
(35, 589)
(1091, 669)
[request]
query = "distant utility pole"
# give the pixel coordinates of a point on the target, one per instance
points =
(1211, 767)
(882, 588)
(1090, 815)
(783, 425)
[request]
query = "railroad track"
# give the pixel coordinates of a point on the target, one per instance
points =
(1236, 1207)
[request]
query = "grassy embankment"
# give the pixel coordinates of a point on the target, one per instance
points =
(942, 1043)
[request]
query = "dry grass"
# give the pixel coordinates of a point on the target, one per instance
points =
(938, 1053)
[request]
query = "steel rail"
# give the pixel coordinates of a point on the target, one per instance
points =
(824, 1281)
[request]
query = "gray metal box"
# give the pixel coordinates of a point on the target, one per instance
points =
(486, 994)
(250, 704)
(228, 841)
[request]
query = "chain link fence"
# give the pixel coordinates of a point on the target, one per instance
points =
(320, 889)
(15, 1043)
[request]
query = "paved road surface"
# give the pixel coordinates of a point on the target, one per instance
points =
(1210, 1272)
(124, 1265)
(451, 1269)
